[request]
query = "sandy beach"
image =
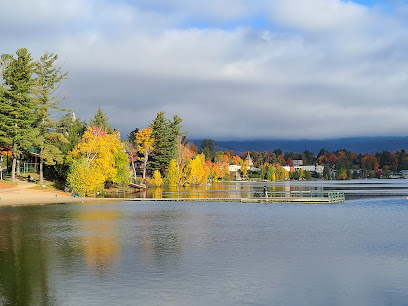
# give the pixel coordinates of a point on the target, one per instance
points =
(23, 194)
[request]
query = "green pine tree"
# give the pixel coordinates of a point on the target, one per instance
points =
(47, 82)
(17, 105)
(165, 134)
(101, 120)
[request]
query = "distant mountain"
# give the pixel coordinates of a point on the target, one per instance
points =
(357, 145)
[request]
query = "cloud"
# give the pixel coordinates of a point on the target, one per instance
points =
(310, 69)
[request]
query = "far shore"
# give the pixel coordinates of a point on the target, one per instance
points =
(22, 194)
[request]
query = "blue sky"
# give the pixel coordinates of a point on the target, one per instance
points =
(231, 69)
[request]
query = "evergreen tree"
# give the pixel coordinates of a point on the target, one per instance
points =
(132, 136)
(17, 106)
(208, 148)
(165, 134)
(48, 79)
(101, 120)
(73, 130)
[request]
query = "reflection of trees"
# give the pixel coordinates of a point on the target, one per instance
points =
(161, 239)
(24, 259)
(100, 240)
(165, 234)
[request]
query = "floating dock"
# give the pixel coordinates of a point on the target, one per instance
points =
(328, 197)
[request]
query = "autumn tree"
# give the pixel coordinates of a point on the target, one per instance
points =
(94, 161)
(145, 141)
(173, 174)
(270, 174)
(157, 179)
(185, 153)
(369, 162)
(194, 172)
(244, 168)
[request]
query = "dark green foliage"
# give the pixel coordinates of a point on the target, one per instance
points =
(165, 134)
(132, 136)
(48, 79)
(101, 120)
(72, 129)
(17, 105)
(326, 172)
(208, 148)
(308, 157)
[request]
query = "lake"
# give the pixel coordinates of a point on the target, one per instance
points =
(191, 253)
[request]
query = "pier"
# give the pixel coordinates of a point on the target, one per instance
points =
(243, 196)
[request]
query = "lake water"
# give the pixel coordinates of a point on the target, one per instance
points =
(351, 188)
(190, 253)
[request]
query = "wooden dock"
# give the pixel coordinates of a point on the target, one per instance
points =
(328, 197)
(138, 186)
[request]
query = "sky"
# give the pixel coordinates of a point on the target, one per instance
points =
(231, 69)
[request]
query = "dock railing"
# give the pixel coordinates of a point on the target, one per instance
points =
(228, 195)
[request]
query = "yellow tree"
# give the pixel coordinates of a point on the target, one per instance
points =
(145, 141)
(157, 179)
(185, 153)
(172, 174)
(93, 161)
(195, 172)
(244, 168)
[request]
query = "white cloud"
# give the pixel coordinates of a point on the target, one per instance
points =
(318, 68)
(319, 15)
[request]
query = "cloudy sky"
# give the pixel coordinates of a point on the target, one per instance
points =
(232, 69)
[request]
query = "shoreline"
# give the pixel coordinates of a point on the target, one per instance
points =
(23, 195)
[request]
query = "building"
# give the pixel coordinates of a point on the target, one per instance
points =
(250, 161)
(314, 169)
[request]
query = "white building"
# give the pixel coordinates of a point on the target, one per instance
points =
(311, 168)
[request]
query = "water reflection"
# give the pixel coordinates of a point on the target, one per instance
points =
(352, 188)
(205, 253)
(164, 236)
(99, 227)
(24, 259)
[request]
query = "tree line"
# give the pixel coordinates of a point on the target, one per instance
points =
(88, 156)
(346, 163)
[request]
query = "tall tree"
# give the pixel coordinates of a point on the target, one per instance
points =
(17, 105)
(94, 161)
(165, 134)
(5, 60)
(49, 76)
(145, 141)
(73, 129)
(101, 120)
(208, 148)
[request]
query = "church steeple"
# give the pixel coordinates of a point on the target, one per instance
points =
(250, 161)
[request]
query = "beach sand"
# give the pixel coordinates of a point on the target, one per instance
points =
(22, 194)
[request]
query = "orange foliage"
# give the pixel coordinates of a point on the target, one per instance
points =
(332, 158)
